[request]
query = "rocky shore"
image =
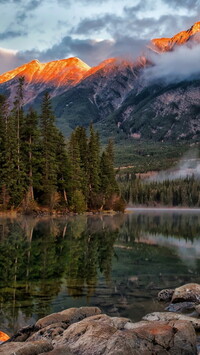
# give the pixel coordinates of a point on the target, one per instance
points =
(86, 331)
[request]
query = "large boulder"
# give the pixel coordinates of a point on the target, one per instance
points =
(48, 327)
(170, 316)
(86, 331)
(189, 292)
(101, 334)
(68, 316)
(30, 348)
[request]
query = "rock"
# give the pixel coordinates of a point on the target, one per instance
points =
(189, 292)
(24, 333)
(30, 348)
(168, 316)
(64, 350)
(49, 332)
(165, 295)
(68, 316)
(181, 307)
(77, 332)
(99, 335)
(174, 337)
(197, 309)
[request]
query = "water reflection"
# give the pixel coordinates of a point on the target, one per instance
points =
(116, 262)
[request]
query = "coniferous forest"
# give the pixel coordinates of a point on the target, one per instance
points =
(38, 169)
(180, 192)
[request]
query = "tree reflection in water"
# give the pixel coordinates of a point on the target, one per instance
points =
(39, 258)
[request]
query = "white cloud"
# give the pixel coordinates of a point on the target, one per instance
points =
(182, 63)
(8, 59)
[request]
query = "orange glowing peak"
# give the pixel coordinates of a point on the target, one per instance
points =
(58, 72)
(167, 44)
(109, 65)
(3, 337)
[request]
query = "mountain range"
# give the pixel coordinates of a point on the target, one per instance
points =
(117, 95)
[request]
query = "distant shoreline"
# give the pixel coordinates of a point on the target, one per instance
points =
(167, 209)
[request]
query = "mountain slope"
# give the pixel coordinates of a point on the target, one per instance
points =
(162, 112)
(99, 94)
(190, 36)
(115, 94)
(56, 77)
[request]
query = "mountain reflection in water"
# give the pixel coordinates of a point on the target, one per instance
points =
(118, 263)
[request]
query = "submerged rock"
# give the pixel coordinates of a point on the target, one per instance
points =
(182, 307)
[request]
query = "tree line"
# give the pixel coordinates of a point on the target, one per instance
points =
(179, 192)
(39, 169)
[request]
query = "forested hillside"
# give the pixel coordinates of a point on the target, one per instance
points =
(39, 170)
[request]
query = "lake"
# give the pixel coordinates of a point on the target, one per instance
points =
(116, 262)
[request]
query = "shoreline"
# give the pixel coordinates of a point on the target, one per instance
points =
(44, 213)
(162, 209)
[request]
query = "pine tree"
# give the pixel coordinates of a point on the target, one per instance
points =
(108, 182)
(76, 171)
(63, 172)
(81, 139)
(3, 135)
(49, 135)
(18, 115)
(94, 168)
(32, 154)
(15, 179)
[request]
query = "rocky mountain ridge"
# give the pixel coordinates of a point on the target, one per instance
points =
(167, 44)
(115, 95)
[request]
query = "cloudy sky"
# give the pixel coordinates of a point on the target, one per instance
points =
(92, 30)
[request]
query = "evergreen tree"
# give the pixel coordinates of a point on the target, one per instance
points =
(49, 135)
(32, 153)
(35, 165)
(76, 171)
(63, 172)
(3, 135)
(15, 179)
(18, 115)
(108, 182)
(94, 168)
(81, 139)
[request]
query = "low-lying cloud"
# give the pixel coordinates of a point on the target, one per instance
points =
(180, 64)
(189, 166)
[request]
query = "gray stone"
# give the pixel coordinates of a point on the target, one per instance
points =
(168, 316)
(181, 307)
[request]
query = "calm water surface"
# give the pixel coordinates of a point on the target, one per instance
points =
(118, 263)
